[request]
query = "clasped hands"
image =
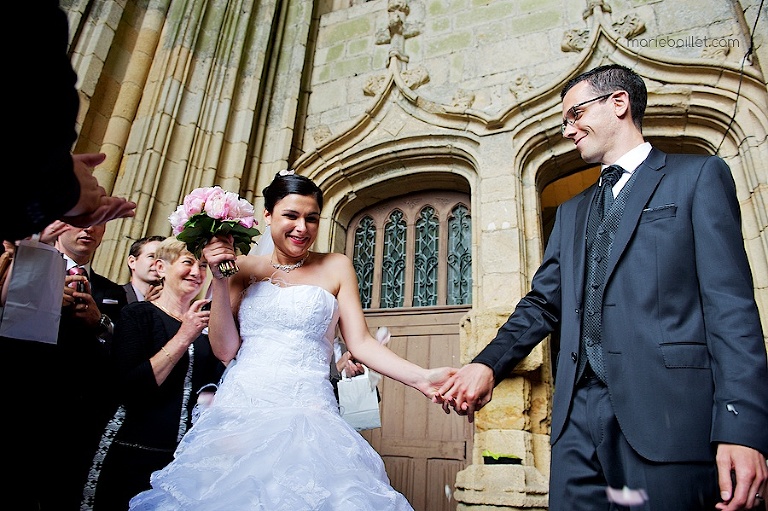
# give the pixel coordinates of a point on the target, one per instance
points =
(467, 390)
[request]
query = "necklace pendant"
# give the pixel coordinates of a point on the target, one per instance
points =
(287, 268)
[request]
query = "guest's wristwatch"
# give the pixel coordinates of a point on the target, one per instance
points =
(106, 324)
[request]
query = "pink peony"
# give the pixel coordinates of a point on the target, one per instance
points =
(194, 203)
(245, 213)
(222, 205)
(178, 218)
(247, 222)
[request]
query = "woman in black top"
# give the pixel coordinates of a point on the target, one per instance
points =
(163, 360)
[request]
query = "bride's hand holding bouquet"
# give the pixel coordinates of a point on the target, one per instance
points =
(218, 250)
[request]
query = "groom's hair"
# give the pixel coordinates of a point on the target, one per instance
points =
(611, 78)
(287, 183)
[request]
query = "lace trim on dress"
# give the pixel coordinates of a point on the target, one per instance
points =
(89, 490)
(187, 392)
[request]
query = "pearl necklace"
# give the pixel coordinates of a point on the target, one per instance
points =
(287, 268)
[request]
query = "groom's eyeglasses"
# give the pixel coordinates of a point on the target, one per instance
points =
(574, 114)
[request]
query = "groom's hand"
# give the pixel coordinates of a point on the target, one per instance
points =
(468, 390)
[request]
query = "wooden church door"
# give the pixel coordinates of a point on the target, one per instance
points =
(412, 255)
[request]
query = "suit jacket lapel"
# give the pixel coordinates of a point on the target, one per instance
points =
(130, 293)
(650, 173)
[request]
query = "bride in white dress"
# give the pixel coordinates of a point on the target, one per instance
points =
(273, 440)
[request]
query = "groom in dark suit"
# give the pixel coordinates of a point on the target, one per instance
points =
(662, 379)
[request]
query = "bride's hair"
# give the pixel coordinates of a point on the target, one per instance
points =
(287, 183)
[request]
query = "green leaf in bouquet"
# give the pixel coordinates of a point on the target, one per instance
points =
(243, 237)
(200, 228)
(200, 220)
(225, 227)
(196, 233)
(196, 247)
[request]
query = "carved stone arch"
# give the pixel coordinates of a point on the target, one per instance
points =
(694, 105)
(351, 182)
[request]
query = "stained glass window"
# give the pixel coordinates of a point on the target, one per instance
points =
(364, 259)
(459, 256)
(393, 265)
(425, 261)
(414, 250)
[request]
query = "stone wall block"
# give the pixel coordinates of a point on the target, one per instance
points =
(503, 441)
(506, 486)
(478, 328)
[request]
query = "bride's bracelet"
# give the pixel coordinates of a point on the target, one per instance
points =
(225, 269)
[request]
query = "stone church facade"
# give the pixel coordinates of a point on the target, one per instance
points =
(375, 99)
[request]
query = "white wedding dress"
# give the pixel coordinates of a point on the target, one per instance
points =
(273, 440)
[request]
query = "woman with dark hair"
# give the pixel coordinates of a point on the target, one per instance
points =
(273, 439)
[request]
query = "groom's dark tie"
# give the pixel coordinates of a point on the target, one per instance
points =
(598, 249)
(609, 177)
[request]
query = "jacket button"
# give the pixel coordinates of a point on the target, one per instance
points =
(573, 356)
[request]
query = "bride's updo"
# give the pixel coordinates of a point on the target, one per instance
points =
(286, 182)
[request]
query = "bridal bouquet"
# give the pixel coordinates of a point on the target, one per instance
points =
(211, 211)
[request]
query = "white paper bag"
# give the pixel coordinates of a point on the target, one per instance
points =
(33, 305)
(359, 401)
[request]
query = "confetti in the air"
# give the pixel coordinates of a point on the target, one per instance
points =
(626, 496)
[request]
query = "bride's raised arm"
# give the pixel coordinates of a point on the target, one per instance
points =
(225, 298)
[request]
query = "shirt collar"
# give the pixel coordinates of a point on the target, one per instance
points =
(72, 264)
(139, 294)
(631, 160)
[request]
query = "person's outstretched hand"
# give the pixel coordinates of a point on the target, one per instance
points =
(94, 205)
(350, 366)
(50, 234)
(468, 390)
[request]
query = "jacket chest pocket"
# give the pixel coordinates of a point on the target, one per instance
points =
(658, 213)
(691, 355)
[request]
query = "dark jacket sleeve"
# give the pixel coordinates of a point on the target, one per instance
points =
(43, 114)
(535, 316)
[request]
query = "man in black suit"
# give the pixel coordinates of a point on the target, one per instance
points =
(144, 283)
(662, 379)
(85, 336)
(62, 396)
